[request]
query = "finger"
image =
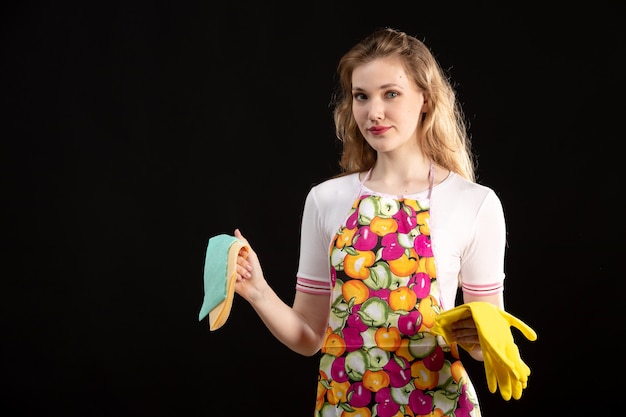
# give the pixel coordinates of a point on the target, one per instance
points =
(467, 323)
(521, 370)
(516, 389)
(243, 271)
(490, 372)
(247, 249)
(521, 326)
(505, 381)
(471, 339)
(238, 235)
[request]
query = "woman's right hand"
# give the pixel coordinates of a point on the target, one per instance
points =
(250, 283)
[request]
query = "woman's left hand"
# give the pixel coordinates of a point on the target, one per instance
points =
(465, 332)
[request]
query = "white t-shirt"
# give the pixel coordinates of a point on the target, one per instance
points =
(468, 234)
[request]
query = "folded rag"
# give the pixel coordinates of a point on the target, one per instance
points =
(219, 278)
(504, 368)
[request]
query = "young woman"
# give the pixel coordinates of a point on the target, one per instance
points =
(386, 244)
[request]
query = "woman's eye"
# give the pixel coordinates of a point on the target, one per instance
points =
(360, 96)
(392, 94)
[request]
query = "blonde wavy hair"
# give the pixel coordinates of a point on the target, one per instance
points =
(444, 137)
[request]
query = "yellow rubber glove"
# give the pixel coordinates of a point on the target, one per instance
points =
(504, 367)
(443, 323)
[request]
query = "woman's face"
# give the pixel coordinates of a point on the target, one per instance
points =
(387, 105)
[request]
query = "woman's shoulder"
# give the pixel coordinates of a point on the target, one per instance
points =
(455, 183)
(460, 193)
(337, 191)
(337, 185)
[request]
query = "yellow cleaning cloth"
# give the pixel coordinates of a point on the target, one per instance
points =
(220, 274)
(504, 367)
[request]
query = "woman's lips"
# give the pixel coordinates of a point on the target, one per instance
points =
(378, 130)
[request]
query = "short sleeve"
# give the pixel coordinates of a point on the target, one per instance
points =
(314, 267)
(482, 263)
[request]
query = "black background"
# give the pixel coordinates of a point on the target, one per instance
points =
(132, 132)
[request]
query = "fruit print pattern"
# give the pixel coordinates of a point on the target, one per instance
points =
(379, 358)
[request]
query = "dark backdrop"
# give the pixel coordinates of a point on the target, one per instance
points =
(132, 132)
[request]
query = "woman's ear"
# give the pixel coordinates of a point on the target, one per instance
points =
(425, 107)
(426, 104)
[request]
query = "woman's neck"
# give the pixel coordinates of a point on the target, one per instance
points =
(406, 176)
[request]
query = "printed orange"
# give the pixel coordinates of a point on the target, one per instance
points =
(355, 289)
(375, 380)
(402, 298)
(405, 265)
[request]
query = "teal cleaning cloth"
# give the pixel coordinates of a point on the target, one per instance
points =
(219, 278)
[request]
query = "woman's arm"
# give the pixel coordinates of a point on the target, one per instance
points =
(301, 327)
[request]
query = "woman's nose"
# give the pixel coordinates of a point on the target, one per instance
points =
(376, 111)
